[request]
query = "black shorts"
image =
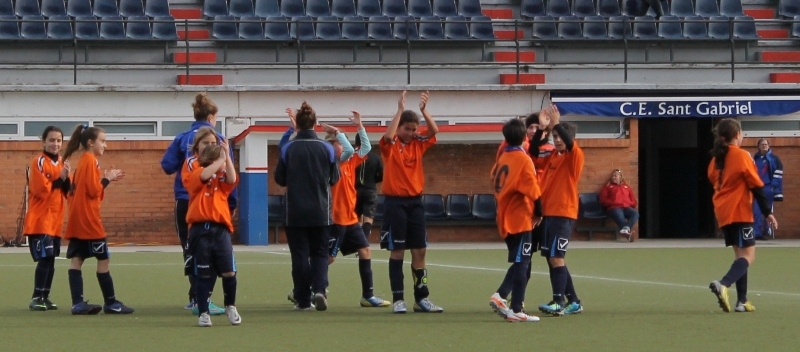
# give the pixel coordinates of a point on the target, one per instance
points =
(346, 239)
(557, 231)
(44, 246)
(366, 200)
(83, 249)
(403, 224)
(537, 237)
(520, 247)
(739, 234)
(210, 251)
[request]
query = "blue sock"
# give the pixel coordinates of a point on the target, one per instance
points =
(507, 285)
(570, 289)
(107, 287)
(75, 285)
(737, 270)
(559, 279)
(519, 283)
(365, 272)
(229, 290)
(396, 279)
(420, 284)
(741, 288)
(40, 277)
(202, 293)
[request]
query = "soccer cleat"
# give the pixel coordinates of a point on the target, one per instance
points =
(84, 308)
(233, 315)
(426, 306)
(573, 308)
(552, 308)
(374, 301)
(319, 302)
(117, 308)
(204, 320)
(499, 305)
(399, 307)
(213, 309)
(745, 307)
(191, 305)
(37, 304)
(290, 297)
(50, 305)
(520, 317)
(722, 295)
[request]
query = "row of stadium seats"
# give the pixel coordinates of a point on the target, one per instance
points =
(788, 8)
(88, 28)
(352, 28)
(643, 27)
(609, 8)
(75, 8)
(342, 8)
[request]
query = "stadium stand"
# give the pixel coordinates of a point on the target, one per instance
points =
(594, 27)
(268, 8)
(530, 9)
(241, 8)
(130, 8)
(105, 8)
(589, 209)
(583, 8)
(444, 8)
(52, 8)
(318, 8)
(470, 8)
(608, 8)
(157, 8)
(430, 27)
(420, 8)
(393, 8)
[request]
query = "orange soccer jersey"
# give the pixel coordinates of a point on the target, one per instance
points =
(402, 170)
(45, 214)
(208, 201)
(733, 200)
(83, 219)
(516, 190)
(560, 183)
(344, 192)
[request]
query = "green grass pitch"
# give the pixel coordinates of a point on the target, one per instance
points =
(634, 299)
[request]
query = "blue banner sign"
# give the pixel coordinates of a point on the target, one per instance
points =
(645, 107)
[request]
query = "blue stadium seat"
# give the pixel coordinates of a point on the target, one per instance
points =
(292, 8)
(112, 28)
(706, 8)
(79, 8)
(251, 28)
(379, 27)
(420, 8)
(24, 8)
(694, 27)
(129, 8)
(52, 8)
(470, 8)
(795, 31)
(379, 207)
(569, 27)
(164, 28)
(394, 8)
(594, 27)
(302, 28)
(86, 28)
(9, 27)
(619, 27)
(788, 8)
(328, 28)
(105, 8)
(744, 27)
(558, 8)
(484, 206)
(138, 28)
(458, 207)
(530, 9)
(455, 27)
(434, 207)
(480, 27)
(354, 28)
(589, 206)
(644, 27)
(267, 8)
(59, 28)
(240, 8)
(157, 8)
(544, 27)
(669, 27)
(731, 8)
(6, 8)
(343, 8)
(214, 8)
(444, 8)
(32, 27)
(664, 7)
(608, 8)
(369, 8)
(224, 28)
(275, 209)
(405, 27)
(632, 8)
(719, 27)
(583, 8)
(318, 8)
(682, 8)
(276, 28)
(430, 28)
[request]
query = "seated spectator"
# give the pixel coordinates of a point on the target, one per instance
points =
(620, 203)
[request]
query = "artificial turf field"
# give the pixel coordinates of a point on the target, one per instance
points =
(635, 299)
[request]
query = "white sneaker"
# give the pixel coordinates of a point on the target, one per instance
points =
(426, 306)
(204, 320)
(319, 302)
(626, 232)
(307, 309)
(399, 307)
(233, 315)
(499, 305)
(520, 317)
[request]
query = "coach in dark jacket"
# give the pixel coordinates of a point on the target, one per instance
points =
(307, 168)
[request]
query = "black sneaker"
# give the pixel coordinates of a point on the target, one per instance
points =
(50, 305)
(84, 308)
(117, 308)
(37, 304)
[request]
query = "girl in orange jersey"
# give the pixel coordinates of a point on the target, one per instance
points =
(47, 185)
(85, 232)
(736, 182)
(210, 252)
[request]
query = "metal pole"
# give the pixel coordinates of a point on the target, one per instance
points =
(408, 56)
(186, 41)
(516, 44)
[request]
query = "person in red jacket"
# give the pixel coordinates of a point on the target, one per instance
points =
(620, 203)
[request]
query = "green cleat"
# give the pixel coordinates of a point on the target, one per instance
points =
(37, 304)
(552, 308)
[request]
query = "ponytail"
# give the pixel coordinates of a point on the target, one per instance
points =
(726, 131)
(306, 118)
(203, 106)
(80, 138)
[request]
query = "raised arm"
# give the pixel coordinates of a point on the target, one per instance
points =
(230, 169)
(362, 133)
(423, 108)
(391, 130)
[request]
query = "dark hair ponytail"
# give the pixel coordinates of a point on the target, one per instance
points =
(724, 133)
(203, 106)
(80, 138)
(306, 118)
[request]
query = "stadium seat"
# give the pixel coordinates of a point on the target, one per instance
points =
(157, 8)
(530, 9)
(251, 28)
(267, 8)
(318, 8)
(484, 206)
(32, 27)
(455, 27)
(470, 8)
(669, 27)
(138, 28)
(744, 27)
(52, 8)
(105, 8)
(719, 27)
(275, 209)
(458, 207)
(694, 27)
(594, 27)
(731, 8)
(6, 8)
(240, 8)
(112, 28)
(129, 8)
(632, 8)
(86, 28)
(394, 8)
(583, 8)
(302, 28)
(682, 8)
(164, 28)
(795, 31)
(343, 8)
(354, 28)
(292, 8)
(9, 27)
(706, 8)
(664, 7)
(480, 27)
(214, 8)
(369, 8)
(59, 28)
(644, 27)
(430, 28)
(558, 8)
(328, 28)
(619, 27)
(608, 8)
(589, 207)
(569, 27)
(434, 207)
(276, 28)
(544, 27)
(444, 8)
(405, 27)
(420, 8)
(788, 8)
(24, 8)
(79, 8)
(224, 28)
(379, 207)
(379, 27)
